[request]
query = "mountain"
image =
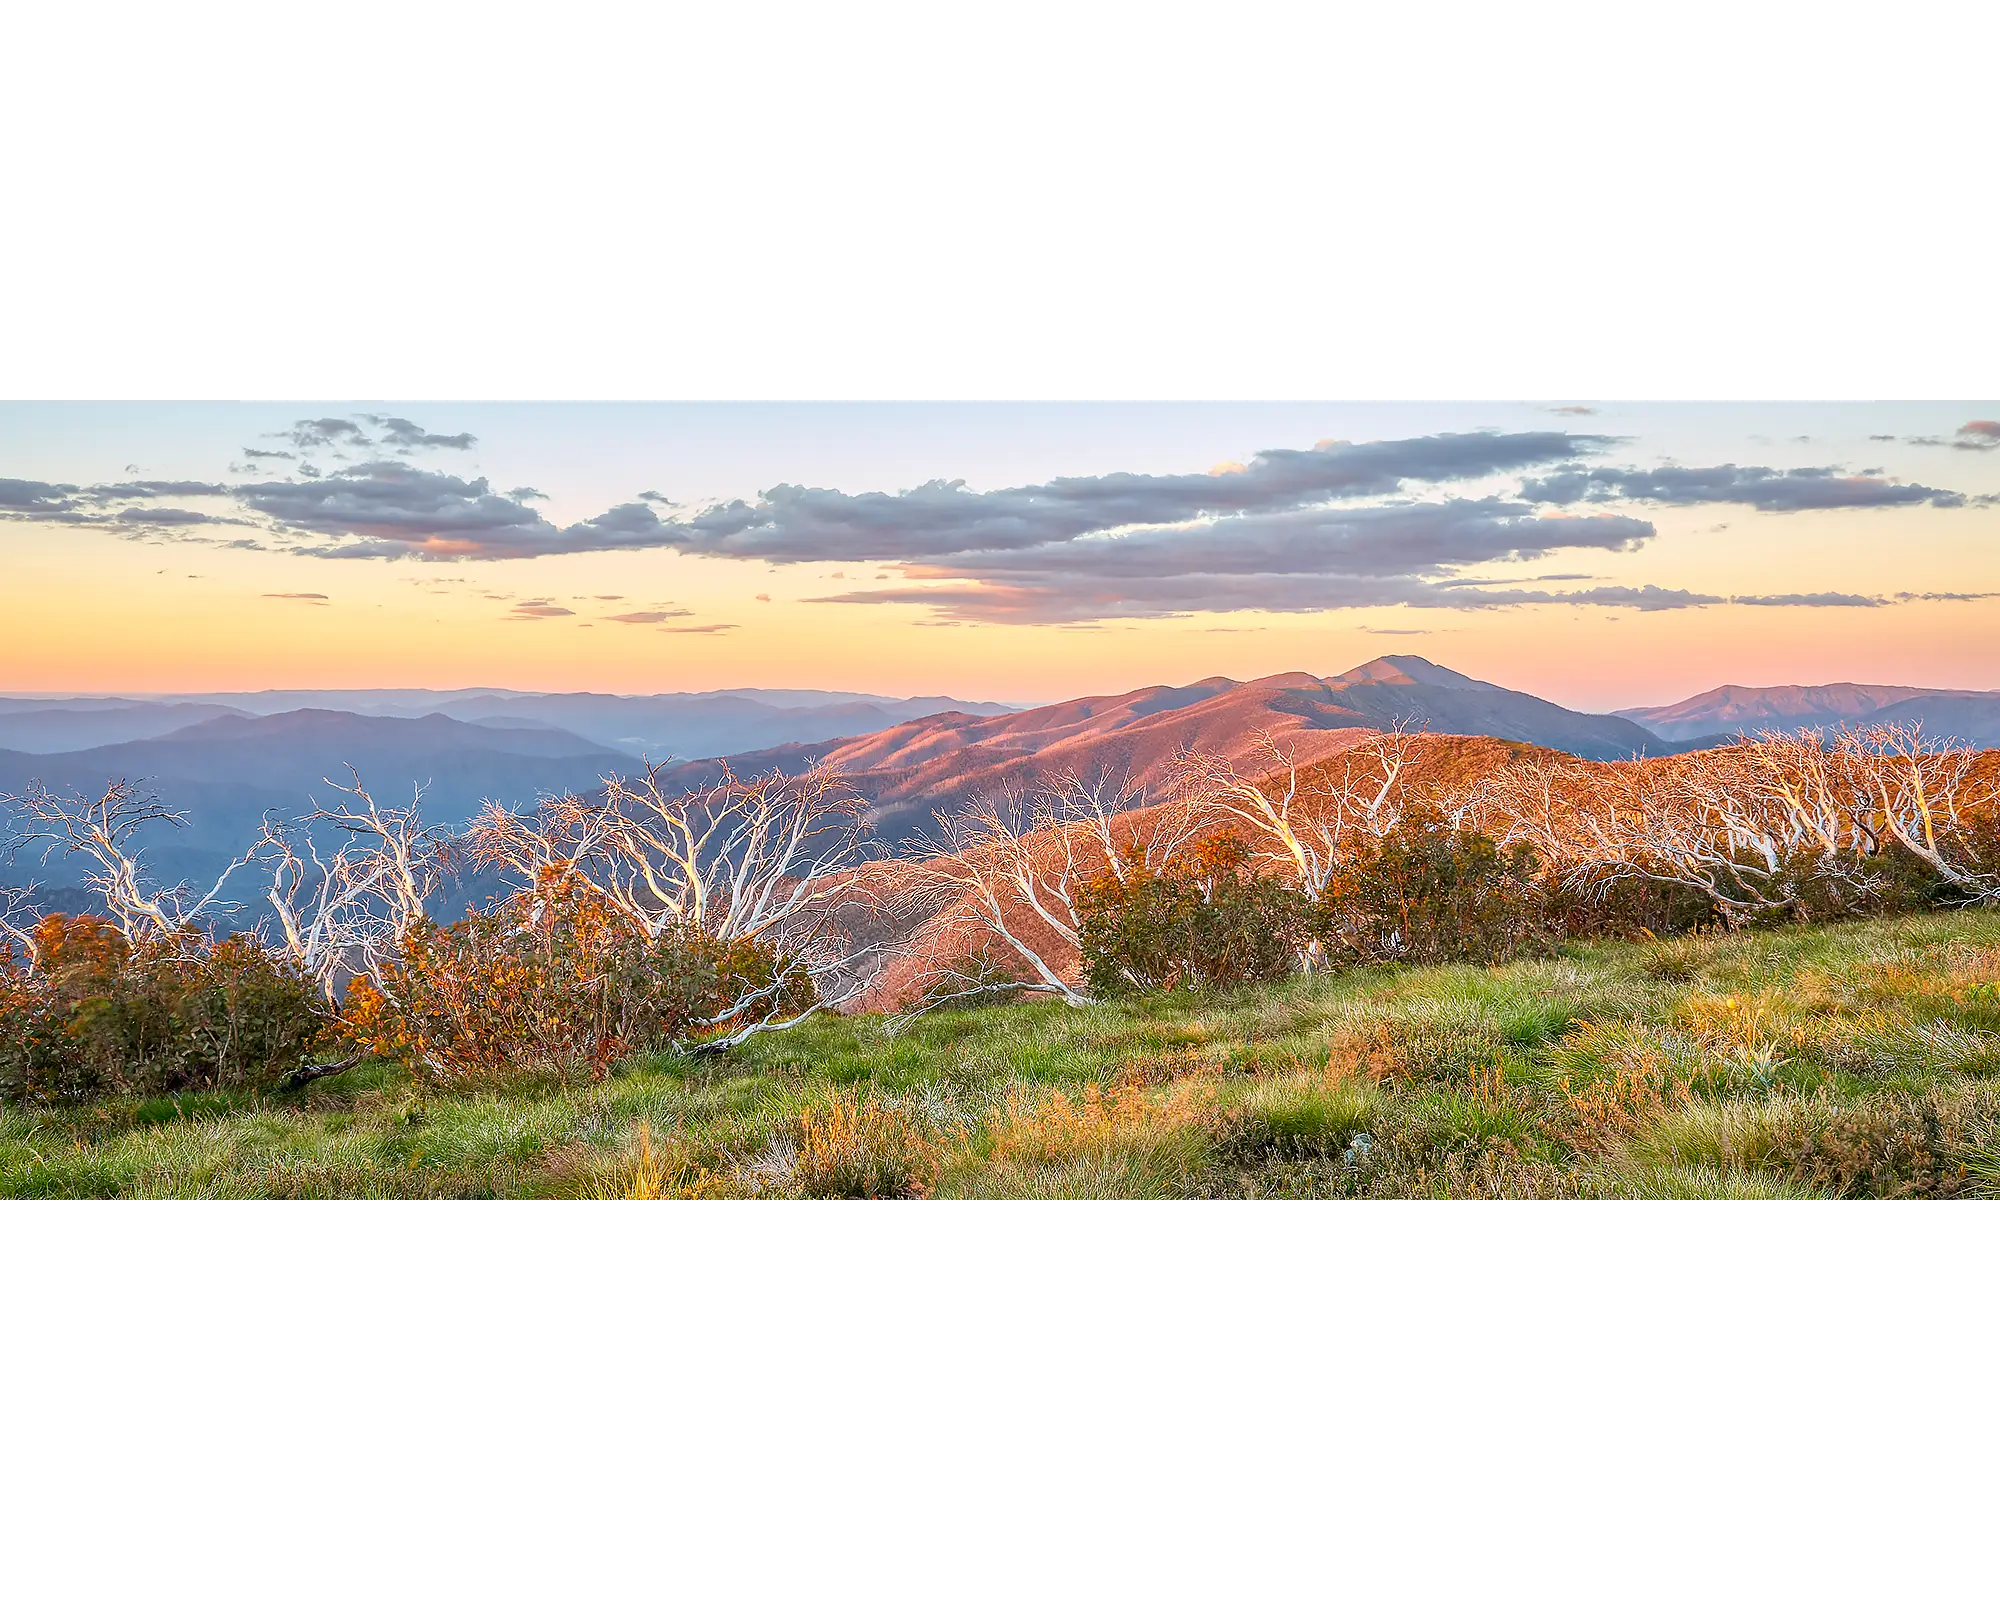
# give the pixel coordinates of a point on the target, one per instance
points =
(662, 726)
(228, 772)
(51, 725)
(1970, 715)
(685, 726)
(916, 767)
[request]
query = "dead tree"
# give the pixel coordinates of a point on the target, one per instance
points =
(349, 913)
(18, 915)
(767, 860)
(1302, 822)
(1924, 796)
(999, 888)
(103, 832)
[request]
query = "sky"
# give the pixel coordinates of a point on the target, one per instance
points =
(1604, 555)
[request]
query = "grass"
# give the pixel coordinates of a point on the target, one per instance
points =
(1858, 1059)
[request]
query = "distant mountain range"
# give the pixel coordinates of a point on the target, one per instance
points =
(662, 726)
(229, 758)
(1970, 716)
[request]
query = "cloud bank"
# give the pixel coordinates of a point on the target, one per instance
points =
(1337, 526)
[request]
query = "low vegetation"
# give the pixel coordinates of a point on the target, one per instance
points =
(1858, 1058)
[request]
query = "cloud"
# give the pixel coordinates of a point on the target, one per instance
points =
(1574, 411)
(404, 436)
(170, 517)
(1807, 600)
(649, 616)
(1322, 558)
(1978, 435)
(789, 523)
(26, 498)
(319, 433)
(1989, 595)
(524, 495)
(157, 489)
(703, 627)
(386, 508)
(537, 611)
(317, 599)
(1766, 488)
(250, 454)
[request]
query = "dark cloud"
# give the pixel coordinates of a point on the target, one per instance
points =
(385, 508)
(404, 436)
(1418, 539)
(1988, 595)
(538, 611)
(1574, 411)
(250, 454)
(789, 523)
(24, 500)
(524, 495)
(1766, 488)
(1979, 435)
(655, 496)
(319, 433)
(24, 497)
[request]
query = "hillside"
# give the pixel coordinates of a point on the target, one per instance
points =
(917, 767)
(1852, 1059)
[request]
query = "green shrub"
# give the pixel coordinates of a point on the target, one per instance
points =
(1429, 890)
(99, 1015)
(1206, 923)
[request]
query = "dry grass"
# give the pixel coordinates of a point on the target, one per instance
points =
(1859, 1059)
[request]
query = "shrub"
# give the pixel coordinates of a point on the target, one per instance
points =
(1626, 906)
(1207, 922)
(552, 981)
(1429, 890)
(855, 1149)
(101, 1015)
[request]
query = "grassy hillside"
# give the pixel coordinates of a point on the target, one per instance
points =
(1859, 1059)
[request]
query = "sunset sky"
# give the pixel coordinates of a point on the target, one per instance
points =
(1603, 555)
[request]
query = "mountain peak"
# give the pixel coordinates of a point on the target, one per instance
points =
(1406, 670)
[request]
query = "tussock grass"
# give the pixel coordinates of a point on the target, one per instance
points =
(1852, 1059)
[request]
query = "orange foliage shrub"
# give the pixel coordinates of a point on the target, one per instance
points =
(553, 980)
(98, 1014)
